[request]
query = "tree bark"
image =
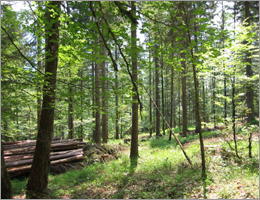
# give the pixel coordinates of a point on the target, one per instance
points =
(184, 97)
(97, 133)
(249, 70)
(162, 92)
(104, 102)
(70, 113)
(134, 134)
(38, 179)
(172, 104)
(157, 93)
(6, 188)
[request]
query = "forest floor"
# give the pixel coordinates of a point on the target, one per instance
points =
(162, 172)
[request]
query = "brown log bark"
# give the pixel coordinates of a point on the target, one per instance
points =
(6, 190)
(14, 171)
(52, 157)
(134, 132)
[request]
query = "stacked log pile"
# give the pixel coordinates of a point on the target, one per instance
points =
(19, 155)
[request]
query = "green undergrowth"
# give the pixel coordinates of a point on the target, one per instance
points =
(165, 143)
(162, 172)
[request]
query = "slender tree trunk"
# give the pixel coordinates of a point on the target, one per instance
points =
(97, 134)
(249, 71)
(116, 101)
(93, 75)
(6, 188)
(104, 103)
(38, 179)
(134, 135)
(214, 98)
(172, 104)
(197, 101)
(179, 103)
(150, 100)
(157, 93)
(223, 64)
(184, 97)
(81, 105)
(234, 114)
(233, 97)
(70, 113)
(204, 102)
(162, 92)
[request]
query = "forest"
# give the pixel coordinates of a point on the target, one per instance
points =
(130, 99)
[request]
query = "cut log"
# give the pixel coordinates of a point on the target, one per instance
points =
(11, 158)
(52, 157)
(29, 143)
(54, 147)
(16, 171)
(19, 155)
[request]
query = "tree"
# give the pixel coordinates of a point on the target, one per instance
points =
(157, 92)
(134, 131)
(104, 119)
(38, 179)
(6, 188)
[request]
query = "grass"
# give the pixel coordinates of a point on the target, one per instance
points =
(162, 172)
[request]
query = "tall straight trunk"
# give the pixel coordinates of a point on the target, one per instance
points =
(233, 97)
(6, 187)
(70, 113)
(162, 92)
(249, 71)
(223, 65)
(184, 97)
(172, 104)
(39, 67)
(157, 93)
(81, 105)
(179, 103)
(97, 133)
(116, 99)
(93, 66)
(214, 98)
(197, 100)
(38, 179)
(116, 102)
(134, 134)
(249, 86)
(150, 100)
(104, 119)
(234, 113)
(204, 102)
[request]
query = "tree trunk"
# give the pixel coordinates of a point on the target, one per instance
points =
(134, 134)
(97, 133)
(184, 97)
(150, 99)
(172, 104)
(81, 106)
(6, 188)
(157, 92)
(162, 92)
(197, 101)
(39, 67)
(233, 98)
(249, 71)
(38, 179)
(223, 64)
(70, 114)
(104, 102)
